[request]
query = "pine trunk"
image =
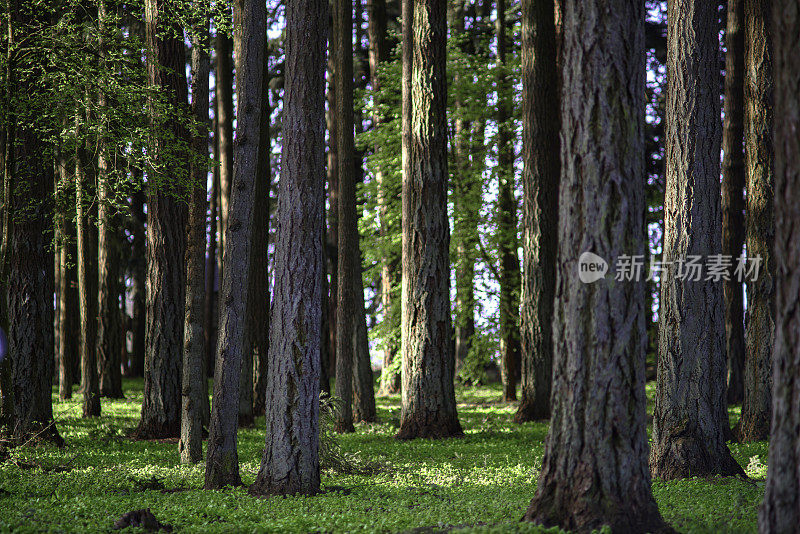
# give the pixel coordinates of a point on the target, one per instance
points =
(540, 175)
(291, 457)
(690, 410)
(594, 471)
(193, 387)
(756, 406)
(780, 511)
(428, 398)
(67, 326)
(166, 238)
(733, 196)
(223, 72)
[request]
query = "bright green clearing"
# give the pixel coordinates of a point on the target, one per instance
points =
(483, 482)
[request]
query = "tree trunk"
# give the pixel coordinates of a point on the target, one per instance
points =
(732, 196)
(166, 238)
(688, 425)
(30, 281)
(540, 175)
(259, 264)
(224, 113)
(67, 325)
(756, 406)
(594, 470)
(210, 297)
(291, 457)
(332, 255)
(429, 404)
(193, 387)
(363, 377)
(222, 461)
(87, 277)
(780, 511)
(507, 221)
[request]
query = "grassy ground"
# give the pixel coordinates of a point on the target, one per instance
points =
(482, 482)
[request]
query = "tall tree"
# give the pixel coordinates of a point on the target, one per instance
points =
(109, 314)
(507, 218)
(733, 196)
(67, 324)
(540, 175)
(687, 432)
(428, 397)
(756, 406)
(166, 234)
(138, 273)
(223, 79)
(193, 386)
(594, 470)
(222, 460)
(780, 511)
(87, 273)
(332, 245)
(290, 464)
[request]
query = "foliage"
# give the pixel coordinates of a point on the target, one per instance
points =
(482, 482)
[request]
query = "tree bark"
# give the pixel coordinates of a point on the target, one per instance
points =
(780, 511)
(756, 406)
(224, 113)
(690, 410)
(332, 254)
(594, 470)
(540, 175)
(733, 196)
(138, 277)
(193, 387)
(166, 242)
(222, 461)
(507, 221)
(428, 398)
(87, 277)
(291, 457)
(67, 304)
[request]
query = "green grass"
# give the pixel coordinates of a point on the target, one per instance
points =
(483, 481)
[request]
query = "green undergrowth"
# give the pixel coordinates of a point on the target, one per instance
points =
(482, 482)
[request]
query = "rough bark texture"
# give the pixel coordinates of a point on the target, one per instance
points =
(780, 511)
(733, 196)
(87, 279)
(258, 307)
(540, 176)
(756, 406)
(222, 461)
(291, 457)
(30, 288)
(594, 470)
(166, 244)
(193, 386)
(428, 398)
(507, 222)
(690, 411)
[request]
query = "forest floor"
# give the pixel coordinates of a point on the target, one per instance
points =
(482, 482)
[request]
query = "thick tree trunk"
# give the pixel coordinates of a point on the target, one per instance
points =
(258, 307)
(780, 511)
(30, 286)
(291, 457)
(594, 470)
(87, 278)
(138, 292)
(733, 196)
(222, 460)
(507, 221)
(193, 386)
(690, 411)
(429, 404)
(756, 406)
(540, 176)
(166, 239)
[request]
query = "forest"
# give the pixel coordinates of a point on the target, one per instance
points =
(414, 266)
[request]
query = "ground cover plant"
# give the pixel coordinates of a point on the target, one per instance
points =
(479, 483)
